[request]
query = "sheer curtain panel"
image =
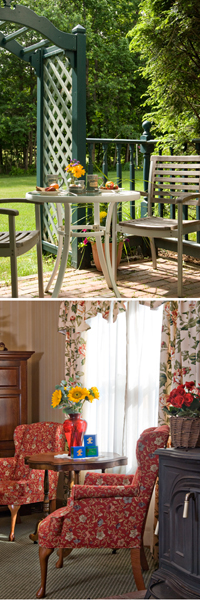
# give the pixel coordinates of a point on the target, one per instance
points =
(123, 360)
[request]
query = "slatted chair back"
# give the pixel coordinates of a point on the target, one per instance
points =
(15, 243)
(172, 176)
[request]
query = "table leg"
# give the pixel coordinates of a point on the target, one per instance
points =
(46, 494)
(111, 272)
(114, 241)
(100, 247)
(76, 477)
(59, 251)
(65, 252)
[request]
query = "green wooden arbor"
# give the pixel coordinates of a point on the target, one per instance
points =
(59, 61)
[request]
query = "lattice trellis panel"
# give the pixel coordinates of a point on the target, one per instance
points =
(57, 131)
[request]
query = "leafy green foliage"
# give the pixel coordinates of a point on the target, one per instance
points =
(114, 85)
(167, 37)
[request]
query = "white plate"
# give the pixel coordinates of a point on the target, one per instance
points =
(106, 190)
(57, 193)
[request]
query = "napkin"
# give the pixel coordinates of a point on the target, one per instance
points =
(61, 456)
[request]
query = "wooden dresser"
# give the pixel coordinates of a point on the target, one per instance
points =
(13, 396)
(178, 575)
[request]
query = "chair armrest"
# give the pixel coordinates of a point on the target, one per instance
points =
(142, 193)
(7, 467)
(107, 479)
(187, 197)
(19, 200)
(9, 211)
(101, 491)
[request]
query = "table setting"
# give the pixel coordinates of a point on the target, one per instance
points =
(76, 193)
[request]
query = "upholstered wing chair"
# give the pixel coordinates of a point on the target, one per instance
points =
(107, 511)
(18, 483)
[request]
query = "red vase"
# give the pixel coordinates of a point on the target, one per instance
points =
(74, 429)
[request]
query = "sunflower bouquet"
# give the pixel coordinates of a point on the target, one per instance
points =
(71, 398)
(75, 169)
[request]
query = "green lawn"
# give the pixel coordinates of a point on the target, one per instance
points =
(16, 187)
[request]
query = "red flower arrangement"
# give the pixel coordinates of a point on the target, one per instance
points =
(184, 401)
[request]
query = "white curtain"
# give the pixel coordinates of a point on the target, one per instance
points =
(122, 360)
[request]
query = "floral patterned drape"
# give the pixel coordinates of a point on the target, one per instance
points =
(179, 359)
(72, 322)
(180, 347)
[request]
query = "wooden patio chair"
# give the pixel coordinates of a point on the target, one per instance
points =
(172, 180)
(15, 243)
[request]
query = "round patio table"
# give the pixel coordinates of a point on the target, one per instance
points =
(95, 230)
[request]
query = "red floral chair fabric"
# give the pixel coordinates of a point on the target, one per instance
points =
(18, 483)
(107, 511)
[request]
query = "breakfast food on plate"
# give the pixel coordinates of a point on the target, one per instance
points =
(109, 186)
(52, 188)
(54, 185)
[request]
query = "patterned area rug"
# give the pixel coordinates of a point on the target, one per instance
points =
(86, 574)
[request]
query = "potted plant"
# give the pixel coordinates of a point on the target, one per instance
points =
(120, 242)
(183, 408)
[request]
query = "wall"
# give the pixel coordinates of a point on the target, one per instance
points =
(32, 325)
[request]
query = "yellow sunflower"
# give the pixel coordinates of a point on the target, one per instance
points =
(95, 392)
(76, 394)
(56, 398)
(90, 398)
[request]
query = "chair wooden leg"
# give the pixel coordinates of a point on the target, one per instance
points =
(44, 554)
(52, 505)
(13, 257)
(153, 253)
(64, 552)
(143, 560)
(14, 510)
(59, 563)
(180, 252)
(136, 566)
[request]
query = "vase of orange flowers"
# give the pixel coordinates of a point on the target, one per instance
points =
(71, 400)
(75, 171)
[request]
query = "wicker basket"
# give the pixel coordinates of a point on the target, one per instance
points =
(185, 432)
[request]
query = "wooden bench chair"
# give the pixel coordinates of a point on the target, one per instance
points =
(172, 180)
(15, 243)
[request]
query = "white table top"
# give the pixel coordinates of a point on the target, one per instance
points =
(63, 197)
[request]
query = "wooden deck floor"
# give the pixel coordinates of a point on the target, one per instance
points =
(136, 279)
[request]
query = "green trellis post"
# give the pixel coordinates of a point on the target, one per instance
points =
(56, 45)
(79, 125)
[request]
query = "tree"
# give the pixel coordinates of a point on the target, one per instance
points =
(114, 85)
(167, 37)
(17, 112)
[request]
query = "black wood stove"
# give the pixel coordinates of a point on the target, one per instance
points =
(178, 575)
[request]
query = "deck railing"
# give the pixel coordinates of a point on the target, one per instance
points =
(147, 146)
